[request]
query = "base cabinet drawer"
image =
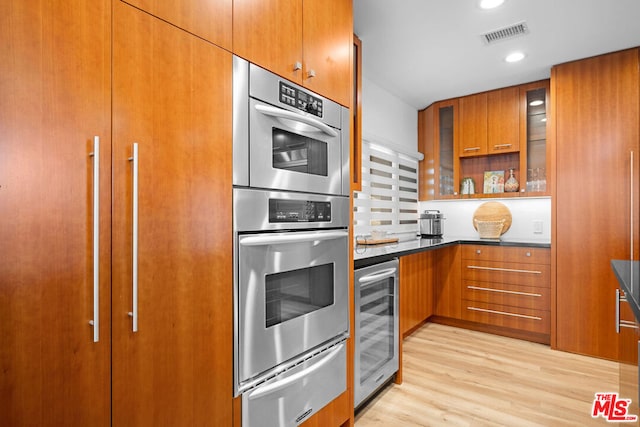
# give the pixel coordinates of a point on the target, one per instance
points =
(520, 318)
(536, 298)
(500, 272)
(506, 254)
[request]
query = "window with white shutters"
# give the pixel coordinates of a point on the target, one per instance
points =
(389, 197)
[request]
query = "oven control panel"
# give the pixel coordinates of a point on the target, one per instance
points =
(288, 210)
(301, 100)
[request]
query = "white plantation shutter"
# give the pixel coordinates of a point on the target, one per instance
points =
(389, 197)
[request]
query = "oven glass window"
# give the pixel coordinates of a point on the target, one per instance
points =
(298, 153)
(294, 293)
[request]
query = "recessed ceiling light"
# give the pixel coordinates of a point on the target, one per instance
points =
(536, 102)
(514, 57)
(490, 4)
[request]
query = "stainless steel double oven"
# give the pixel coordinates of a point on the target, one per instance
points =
(291, 216)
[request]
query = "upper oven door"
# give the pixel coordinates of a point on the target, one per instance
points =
(292, 151)
(292, 295)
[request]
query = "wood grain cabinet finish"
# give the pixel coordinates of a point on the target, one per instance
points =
(171, 96)
(306, 41)
(55, 86)
(416, 290)
(507, 287)
(490, 122)
(473, 125)
(208, 19)
(60, 91)
(447, 284)
(503, 120)
(597, 119)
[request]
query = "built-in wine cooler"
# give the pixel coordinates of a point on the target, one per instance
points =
(376, 328)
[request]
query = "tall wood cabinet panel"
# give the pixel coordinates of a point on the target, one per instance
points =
(597, 142)
(55, 86)
(172, 96)
(416, 290)
(306, 41)
(209, 19)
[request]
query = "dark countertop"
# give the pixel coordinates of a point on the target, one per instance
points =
(372, 254)
(628, 275)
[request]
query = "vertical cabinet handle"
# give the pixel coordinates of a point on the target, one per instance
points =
(631, 215)
(617, 320)
(311, 73)
(297, 66)
(96, 239)
(134, 238)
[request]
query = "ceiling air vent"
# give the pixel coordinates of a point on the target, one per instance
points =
(506, 33)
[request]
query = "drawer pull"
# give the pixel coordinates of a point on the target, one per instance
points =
(471, 149)
(504, 313)
(504, 291)
(499, 146)
(509, 270)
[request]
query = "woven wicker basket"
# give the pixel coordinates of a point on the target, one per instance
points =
(489, 229)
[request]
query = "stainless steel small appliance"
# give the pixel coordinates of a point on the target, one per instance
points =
(376, 328)
(431, 223)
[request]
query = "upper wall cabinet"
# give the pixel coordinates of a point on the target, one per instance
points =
(501, 130)
(306, 41)
(208, 19)
(490, 122)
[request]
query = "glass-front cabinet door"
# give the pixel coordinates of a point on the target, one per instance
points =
(534, 117)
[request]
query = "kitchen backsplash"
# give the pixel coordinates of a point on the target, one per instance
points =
(531, 216)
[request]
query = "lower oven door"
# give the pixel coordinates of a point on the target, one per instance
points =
(292, 296)
(292, 397)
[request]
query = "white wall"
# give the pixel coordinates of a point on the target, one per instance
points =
(524, 211)
(388, 119)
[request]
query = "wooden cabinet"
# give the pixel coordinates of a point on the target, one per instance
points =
(437, 134)
(57, 95)
(176, 369)
(306, 41)
(507, 287)
(473, 125)
(416, 290)
(596, 103)
(209, 19)
(55, 85)
(447, 282)
(503, 120)
(497, 130)
(356, 116)
(490, 122)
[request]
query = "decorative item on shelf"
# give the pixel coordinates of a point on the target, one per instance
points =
(511, 184)
(493, 182)
(467, 186)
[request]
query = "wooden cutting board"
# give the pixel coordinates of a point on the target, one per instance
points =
(362, 241)
(493, 211)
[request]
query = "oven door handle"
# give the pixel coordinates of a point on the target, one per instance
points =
(269, 239)
(387, 272)
(289, 115)
(279, 385)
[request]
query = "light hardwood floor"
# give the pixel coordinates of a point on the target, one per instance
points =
(456, 377)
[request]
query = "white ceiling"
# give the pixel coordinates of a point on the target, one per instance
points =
(428, 50)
